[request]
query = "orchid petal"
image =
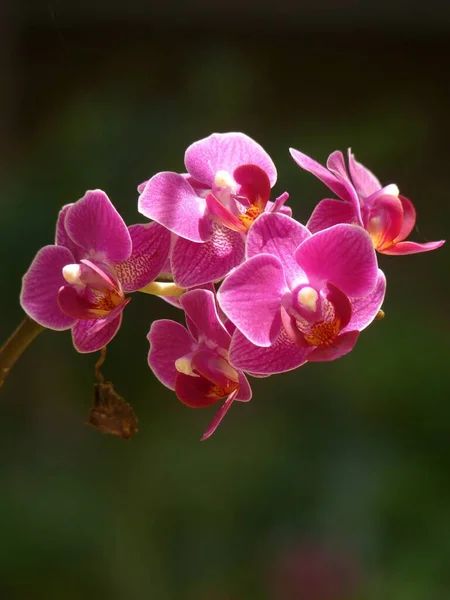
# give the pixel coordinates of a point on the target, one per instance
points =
(331, 212)
(62, 238)
(216, 369)
(385, 221)
(40, 286)
(171, 201)
(254, 184)
(75, 305)
(218, 418)
(409, 218)
(94, 334)
(196, 392)
(195, 264)
(364, 180)
(343, 255)
(151, 245)
(245, 391)
(200, 307)
(223, 215)
(329, 179)
(251, 298)
(94, 224)
(226, 152)
(365, 309)
(342, 345)
(279, 235)
(279, 205)
(282, 356)
(402, 248)
(169, 341)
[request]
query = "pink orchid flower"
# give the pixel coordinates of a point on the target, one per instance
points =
(299, 296)
(80, 282)
(226, 188)
(382, 211)
(194, 361)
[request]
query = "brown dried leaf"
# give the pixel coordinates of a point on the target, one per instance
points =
(111, 414)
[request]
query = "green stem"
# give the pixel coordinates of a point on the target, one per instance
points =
(16, 345)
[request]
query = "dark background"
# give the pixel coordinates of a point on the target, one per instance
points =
(334, 482)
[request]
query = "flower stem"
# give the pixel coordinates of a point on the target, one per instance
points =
(16, 345)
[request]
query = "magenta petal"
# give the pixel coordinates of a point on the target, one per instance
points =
(343, 344)
(245, 391)
(194, 264)
(412, 247)
(226, 152)
(200, 308)
(87, 337)
(329, 179)
(409, 218)
(254, 184)
(251, 298)
(279, 205)
(40, 286)
(218, 418)
(195, 392)
(216, 369)
(62, 238)
(279, 235)
(341, 302)
(331, 212)
(385, 220)
(343, 255)
(169, 341)
(73, 304)
(365, 309)
(94, 224)
(223, 215)
(151, 245)
(282, 356)
(364, 181)
(171, 201)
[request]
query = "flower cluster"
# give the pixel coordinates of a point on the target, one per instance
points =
(261, 293)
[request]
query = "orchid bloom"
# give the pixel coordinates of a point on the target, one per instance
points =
(212, 207)
(194, 361)
(382, 211)
(80, 282)
(299, 296)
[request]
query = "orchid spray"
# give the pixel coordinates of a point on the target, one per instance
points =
(260, 292)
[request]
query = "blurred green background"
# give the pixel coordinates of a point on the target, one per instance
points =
(334, 482)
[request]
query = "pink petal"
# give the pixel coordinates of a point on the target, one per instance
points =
(200, 307)
(171, 201)
(216, 369)
(409, 218)
(62, 238)
(245, 391)
(151, 245)
(223, 215)
(226, 152)
(365, 309)
(94, 224)
(278, 205)
(343, 255)
(341, 303)
(194, 264)
(343, 344)
(282, 356)
(329, 179)
(251, 298)
(254, 185)
(87, 337)
(40, 286)
(74, 304)
(364, 181)
(219, 416)
(331, 212)
(195, 392)
(385, 221)
(412, 247)
(169, 341)
(279, 235)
